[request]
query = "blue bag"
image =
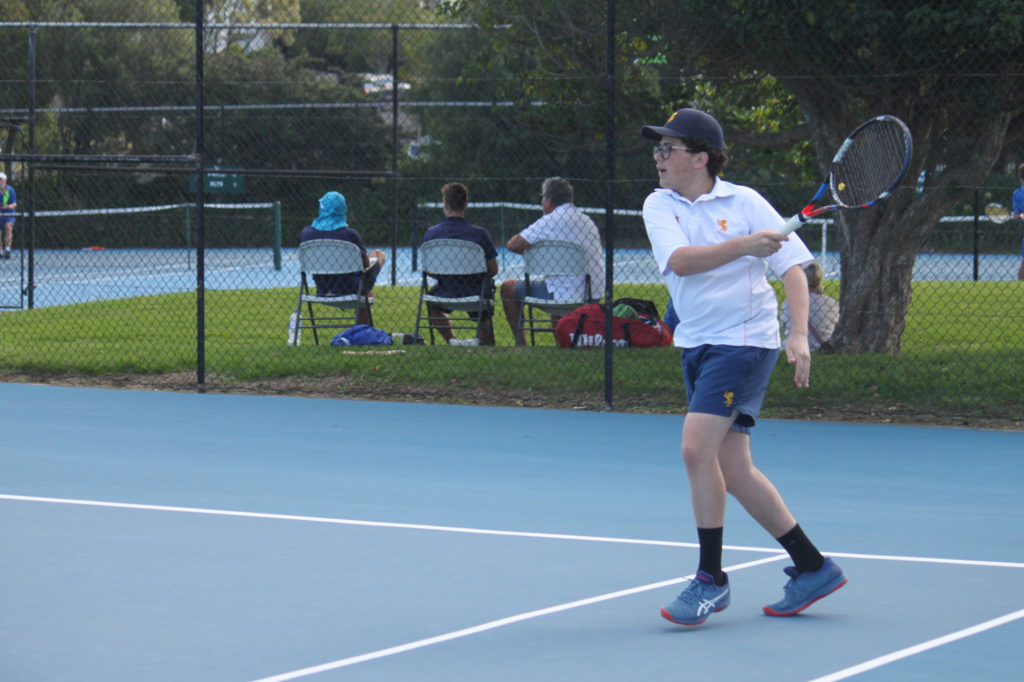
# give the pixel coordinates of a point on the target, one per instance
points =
(362, 335)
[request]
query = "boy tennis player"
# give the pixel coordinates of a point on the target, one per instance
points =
(714, 242)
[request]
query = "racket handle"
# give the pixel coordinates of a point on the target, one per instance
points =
(792, 224)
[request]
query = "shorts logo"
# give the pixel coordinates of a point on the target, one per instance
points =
(728, 395)
(722, 224)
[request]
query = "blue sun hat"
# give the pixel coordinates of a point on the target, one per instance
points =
(333, 212)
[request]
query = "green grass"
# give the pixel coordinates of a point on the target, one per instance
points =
(961, 362)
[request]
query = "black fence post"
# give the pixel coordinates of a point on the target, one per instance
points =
(200, 204)
(977, 208)
(609, 345)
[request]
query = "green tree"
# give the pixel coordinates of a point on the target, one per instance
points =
(557, 54)
(367, 46)
(786, 77)
(248, 12)
(949, 69)
(104, 69)
(131, 91)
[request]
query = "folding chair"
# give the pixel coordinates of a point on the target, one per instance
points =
(454, 257)
(552, 258)
(331, 257)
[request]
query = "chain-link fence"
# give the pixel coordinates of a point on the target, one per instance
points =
(150, 241)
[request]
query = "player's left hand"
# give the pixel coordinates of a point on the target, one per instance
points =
(798, 352)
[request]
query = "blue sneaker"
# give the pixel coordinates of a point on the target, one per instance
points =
(803, 589)
(698, 601)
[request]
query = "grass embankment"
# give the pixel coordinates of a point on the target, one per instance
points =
(961, 362)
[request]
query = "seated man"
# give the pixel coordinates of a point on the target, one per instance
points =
(332, 223)
(455, 226)
(561, 220)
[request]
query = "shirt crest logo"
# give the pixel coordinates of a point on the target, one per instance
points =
(723, 225)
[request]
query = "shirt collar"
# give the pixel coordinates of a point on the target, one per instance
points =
(719, 190)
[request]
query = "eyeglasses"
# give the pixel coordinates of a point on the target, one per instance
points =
(663, 151)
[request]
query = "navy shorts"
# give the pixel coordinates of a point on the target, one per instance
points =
(724, 380)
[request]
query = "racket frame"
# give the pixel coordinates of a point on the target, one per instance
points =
(997, 213)
(809, 211)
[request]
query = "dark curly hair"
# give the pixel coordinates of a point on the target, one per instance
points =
(716, 159)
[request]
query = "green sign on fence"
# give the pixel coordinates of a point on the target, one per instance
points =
(219, 182)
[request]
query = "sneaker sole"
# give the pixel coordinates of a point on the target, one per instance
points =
(668, 616)
(772, 612)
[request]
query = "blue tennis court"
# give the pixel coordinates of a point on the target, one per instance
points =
(171, 536)
(64, 277)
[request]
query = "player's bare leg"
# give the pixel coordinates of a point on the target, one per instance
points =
(513, 308)
(703, 435)
(752, 488)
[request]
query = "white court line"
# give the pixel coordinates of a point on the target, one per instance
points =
(485, 531)
(376, 524)
(918, 648)
(776, 555)
(928, 560)
(483, 627)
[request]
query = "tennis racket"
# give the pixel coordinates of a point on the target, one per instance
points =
(866, 169)
(997, 213)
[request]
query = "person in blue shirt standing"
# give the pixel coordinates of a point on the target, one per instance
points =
(332, 223)
(10, 201)
(1018, 214)
(455, 196)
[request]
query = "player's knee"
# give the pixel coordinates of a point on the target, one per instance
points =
(695, 457)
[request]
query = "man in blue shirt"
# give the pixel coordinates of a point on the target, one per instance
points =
(1018, 213)
(8, 202)
(332, 223)
(455, 226)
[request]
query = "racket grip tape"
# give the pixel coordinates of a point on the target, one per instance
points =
(792, 224)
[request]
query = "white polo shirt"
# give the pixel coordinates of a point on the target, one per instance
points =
(733, 304)
(567, 223)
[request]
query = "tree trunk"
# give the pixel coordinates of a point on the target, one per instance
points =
(878, 246)
(875, 290)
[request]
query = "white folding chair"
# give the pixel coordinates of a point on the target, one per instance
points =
(552, 258)
(331, 257)
(454, 257)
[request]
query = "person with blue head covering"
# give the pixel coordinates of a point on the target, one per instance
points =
(333, 212)
(332, 223)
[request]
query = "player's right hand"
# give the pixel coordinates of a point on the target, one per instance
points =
(765, 243)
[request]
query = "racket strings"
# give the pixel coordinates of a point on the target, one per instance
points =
(872, 164)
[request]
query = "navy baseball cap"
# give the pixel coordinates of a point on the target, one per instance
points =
(689, 123)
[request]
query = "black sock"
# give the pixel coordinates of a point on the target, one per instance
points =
(711, 553)
(805, 555)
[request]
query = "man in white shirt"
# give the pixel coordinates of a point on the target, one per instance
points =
(714, 242)
(561, 220)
